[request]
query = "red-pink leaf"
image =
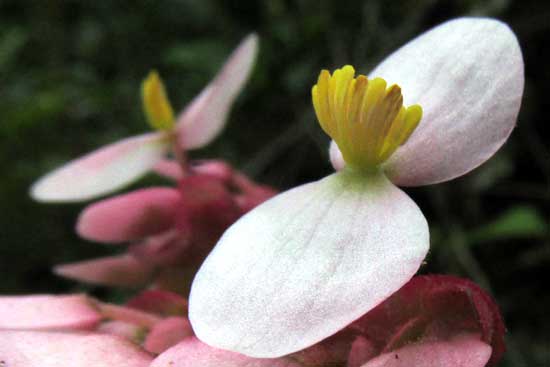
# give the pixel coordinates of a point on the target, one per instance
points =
(434, 308)
(463, 351)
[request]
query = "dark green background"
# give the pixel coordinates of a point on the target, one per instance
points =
(69, 82)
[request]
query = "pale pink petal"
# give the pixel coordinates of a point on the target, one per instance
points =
(130, 216)
(167, 333)
(306, 263)
(127, 314)
(121, 270)
(51, 349)
(167, 248)
(192, 353)
(464, 351)
(213, 167)
(102, 171)
(48, 312)
(205, 117)
(169, 168)
(123, 329)
(467, 74)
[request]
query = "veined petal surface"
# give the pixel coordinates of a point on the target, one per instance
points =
(48, 312)
(467, 74)
(130, 216)
(102, 171)
(52, 349)
(306, 263)
(193, 353)
(205, 117)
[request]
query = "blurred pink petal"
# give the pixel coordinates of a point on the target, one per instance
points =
(167, 333)
(169, 168)
(51, 349)
(130, 216)
(193, 353)
(123, 329)
(208, 209)
(120, 270)
(216, 168)
(129, 315)
(470, 99)
(205, 117)
(324, 254)
(47, 312)
(464, 351)
(102, 171)
(167, 248)
(159, 302)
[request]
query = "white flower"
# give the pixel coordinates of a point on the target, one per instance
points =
(306, 263)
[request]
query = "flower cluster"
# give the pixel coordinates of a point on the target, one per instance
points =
(320, 275)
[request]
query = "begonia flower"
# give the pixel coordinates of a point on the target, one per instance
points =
(118, 164)
(168, 228)
(309, 261)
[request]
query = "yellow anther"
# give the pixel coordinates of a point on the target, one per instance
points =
(155, 103)
(367, 120)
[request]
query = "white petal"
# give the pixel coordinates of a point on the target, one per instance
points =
(205, 117)
(102, 171)
(306, 263)
(467, 74)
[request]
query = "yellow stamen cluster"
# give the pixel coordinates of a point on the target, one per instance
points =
(367, 120)
(155, 103)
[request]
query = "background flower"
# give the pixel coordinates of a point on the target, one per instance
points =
(119, 164)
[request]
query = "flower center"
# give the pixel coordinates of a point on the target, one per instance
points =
(367, 120)
(155, 103)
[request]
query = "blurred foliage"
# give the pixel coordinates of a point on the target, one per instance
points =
(69, 82)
